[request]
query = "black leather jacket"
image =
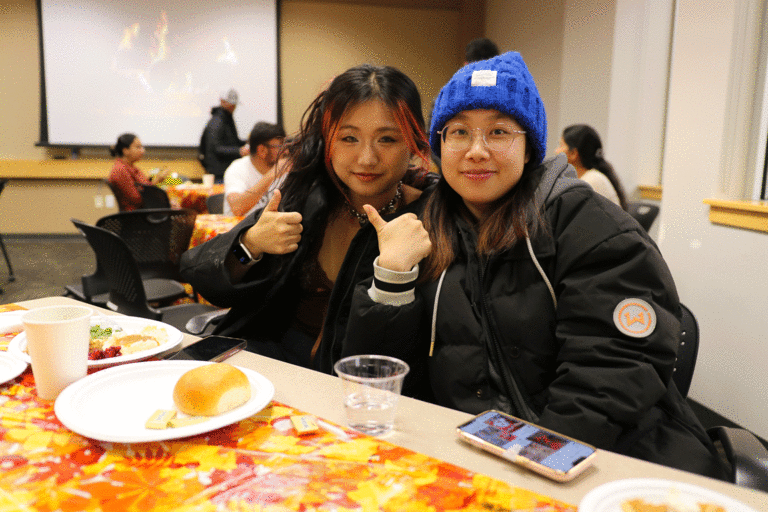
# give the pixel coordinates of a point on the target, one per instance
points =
(264, 303)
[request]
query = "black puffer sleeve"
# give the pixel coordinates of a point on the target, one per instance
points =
(606, 380)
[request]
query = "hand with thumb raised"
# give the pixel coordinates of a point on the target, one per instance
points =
(403, 241)
(275, 232)
(274, 202)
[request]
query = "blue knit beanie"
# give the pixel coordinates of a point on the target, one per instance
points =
(502, 83)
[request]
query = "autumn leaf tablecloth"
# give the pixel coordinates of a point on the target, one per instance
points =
(259, 463)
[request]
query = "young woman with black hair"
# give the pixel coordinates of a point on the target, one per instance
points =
(287, 271)
(582, 146)
(125, 178)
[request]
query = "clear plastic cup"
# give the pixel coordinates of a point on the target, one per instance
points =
(371, 388)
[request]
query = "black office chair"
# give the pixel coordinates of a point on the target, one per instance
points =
(643, 213)
(126, 289)
(743, 451)
(154, 197)
(105, 182)
(215, 203)
(687, 351)
(157, 238)
(746, 454)
(11, 277)
(94, 289)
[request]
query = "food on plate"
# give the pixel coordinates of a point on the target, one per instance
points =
(211, 389)
(108, 342)
(640, 505)
(184, 421)
(160, 419)
(164, 418)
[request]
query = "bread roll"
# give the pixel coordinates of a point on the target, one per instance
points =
(211, 389)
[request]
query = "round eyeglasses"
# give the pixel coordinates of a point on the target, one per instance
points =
(498, 137)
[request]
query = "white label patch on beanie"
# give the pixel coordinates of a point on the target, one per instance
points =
(484, 78)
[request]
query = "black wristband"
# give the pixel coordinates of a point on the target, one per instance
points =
(384, 286)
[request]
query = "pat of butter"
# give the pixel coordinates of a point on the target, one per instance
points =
(304, 424)
(190, 420)
(160, 419)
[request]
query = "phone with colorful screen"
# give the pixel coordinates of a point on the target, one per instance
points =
(548, 453)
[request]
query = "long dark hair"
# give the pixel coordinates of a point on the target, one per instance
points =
(585, 139)
(123, 142)
(310, 152)
(513, 218)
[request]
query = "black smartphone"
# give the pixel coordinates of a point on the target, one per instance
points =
(211, 348)
(546, 452)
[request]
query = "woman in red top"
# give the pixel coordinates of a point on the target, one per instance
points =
(127, 179)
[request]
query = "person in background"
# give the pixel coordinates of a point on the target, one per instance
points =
(219, 144)
(287, 271)
(125, 178)
(582, 146)
(480, 49)
(247, 179)
(526, 291)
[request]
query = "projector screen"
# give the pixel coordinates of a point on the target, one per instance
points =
(154, 68)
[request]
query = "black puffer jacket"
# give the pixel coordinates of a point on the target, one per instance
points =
(569, 367)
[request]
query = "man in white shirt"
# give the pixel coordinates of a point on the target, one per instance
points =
(247, 179)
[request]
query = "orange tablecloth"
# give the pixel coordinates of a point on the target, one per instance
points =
(192, 195)
(209, 225)
(257, 464)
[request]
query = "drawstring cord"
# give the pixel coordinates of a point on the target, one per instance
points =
(541, 271)
(440, 286)
(434, 313)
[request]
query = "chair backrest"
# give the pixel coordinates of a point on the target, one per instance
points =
(215, 203)
(686, 352)
(112, 189)
(156, 237)
(643, 213)
(154, 197)
(126, 289)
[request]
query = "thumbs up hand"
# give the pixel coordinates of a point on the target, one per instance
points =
(403, 242)
(275, 232)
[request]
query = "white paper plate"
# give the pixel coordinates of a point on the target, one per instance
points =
(10, 367)
(609, 497)
(131, 324)
(114, 404)
(10, 321)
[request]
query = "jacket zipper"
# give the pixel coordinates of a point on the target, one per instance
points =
(515, 396)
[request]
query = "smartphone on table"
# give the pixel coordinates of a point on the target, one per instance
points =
(543, 451)
(211, 348)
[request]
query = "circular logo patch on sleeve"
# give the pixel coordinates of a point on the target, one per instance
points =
(634, 317)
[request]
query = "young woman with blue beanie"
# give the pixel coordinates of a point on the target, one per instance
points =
(521, 289)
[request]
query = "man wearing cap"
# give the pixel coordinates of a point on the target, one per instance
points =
(219, 144)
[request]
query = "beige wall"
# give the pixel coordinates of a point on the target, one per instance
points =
(720, 272)
(319, 41)
(19, 80)
(536, 30)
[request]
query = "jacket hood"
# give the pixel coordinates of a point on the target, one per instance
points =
(558, 177)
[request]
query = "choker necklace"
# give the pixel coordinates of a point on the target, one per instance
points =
(387, 208)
